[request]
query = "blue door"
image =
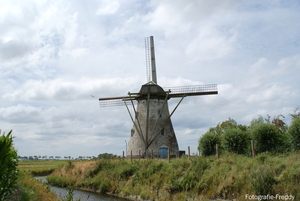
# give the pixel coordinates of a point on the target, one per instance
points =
(163, 153)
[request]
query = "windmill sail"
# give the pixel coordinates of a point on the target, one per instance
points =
(150, 60)
(116, 101)
(174, 92)
(194, 90)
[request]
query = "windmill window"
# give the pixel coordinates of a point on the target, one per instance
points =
(159, 113)
(162, 132)
(132, 132)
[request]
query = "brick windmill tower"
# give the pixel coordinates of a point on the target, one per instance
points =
(152, 131)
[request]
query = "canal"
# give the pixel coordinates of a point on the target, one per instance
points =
(82, 195)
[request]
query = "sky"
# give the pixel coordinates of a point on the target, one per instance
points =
(57, 58)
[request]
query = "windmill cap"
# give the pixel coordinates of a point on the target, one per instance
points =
(156, 91)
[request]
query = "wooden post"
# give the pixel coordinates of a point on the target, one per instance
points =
(131, 155)
(253, 150)
(152, 154)
(217, 151)
(189, 153)
(139, 154)
(169, 154)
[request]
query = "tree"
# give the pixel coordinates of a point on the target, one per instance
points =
(296, 113)
(8, 164)
(236, 141)
(294, 132)
(254, 122)
(266, 138)
(277, 122)
(107, 155)
(228, 124)
(207, 144)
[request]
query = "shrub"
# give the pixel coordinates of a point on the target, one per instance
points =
(262, 180)
(236, 141)
(294, 132)
(207, 144)
(8, 164)
(266, 138)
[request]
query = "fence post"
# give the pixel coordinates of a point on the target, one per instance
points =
(189, 152)
(169, 154)
(152, 154)
(139, 154)
(131, 155)
(253, 149)
(123, 155)
(217, 151)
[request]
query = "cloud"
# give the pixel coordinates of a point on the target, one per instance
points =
(286, 65)
(63, 90)
(107, 7)
(12, 49)
(179, 17)
(21, 114)
(259, 65)
(55, 55)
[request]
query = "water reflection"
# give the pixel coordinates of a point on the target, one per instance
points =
(82, 195)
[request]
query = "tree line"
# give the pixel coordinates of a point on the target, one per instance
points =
(268, 134)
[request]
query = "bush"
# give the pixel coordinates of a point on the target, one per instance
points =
(8, 164)
(207, 144)
(294, 132)
(262, 180)
(266, 138)
(236, 141)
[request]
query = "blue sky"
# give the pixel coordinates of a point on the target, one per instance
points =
(55, 54)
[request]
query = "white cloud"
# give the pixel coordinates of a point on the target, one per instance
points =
(21, 114)
(55, 55)
(286, 65)
(107, 7)
(180, 16)
(13, 48)
(259, 65)
(63, 90)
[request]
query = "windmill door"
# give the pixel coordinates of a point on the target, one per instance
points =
(163, 153)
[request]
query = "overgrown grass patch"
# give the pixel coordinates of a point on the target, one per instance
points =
(230, 177)
(33, 189)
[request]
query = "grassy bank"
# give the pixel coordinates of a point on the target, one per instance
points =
(30, 189)
(201, 178)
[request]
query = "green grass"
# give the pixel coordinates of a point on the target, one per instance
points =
(40, 167)
(31, 189)
(202, 178)
(28, 187)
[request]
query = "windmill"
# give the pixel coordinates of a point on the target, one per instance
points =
(152, 131)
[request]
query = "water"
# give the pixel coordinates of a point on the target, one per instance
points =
(82, 195)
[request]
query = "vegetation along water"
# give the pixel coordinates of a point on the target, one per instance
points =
(268, 166)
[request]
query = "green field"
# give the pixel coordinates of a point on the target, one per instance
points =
(40, 167)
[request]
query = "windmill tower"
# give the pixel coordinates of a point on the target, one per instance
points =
(152, 131)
